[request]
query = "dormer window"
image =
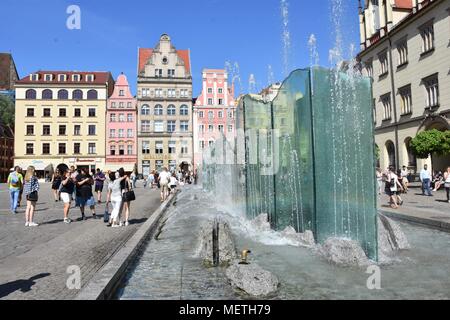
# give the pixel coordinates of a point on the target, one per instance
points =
(48, 77)
(76, 78)
(34, 77)
(90, 78)
(62, 78)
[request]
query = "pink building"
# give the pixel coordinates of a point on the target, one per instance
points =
(214, 112)
(121, 128)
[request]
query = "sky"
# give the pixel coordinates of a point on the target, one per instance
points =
(249, 32)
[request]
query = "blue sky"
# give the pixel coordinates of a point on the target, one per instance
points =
(245, 31)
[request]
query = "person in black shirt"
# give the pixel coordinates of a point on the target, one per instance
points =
(85, 197)
(125, 185)
(67, 189)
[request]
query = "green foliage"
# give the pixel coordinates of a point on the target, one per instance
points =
(6, 111)
(377, 152)
(431, 142)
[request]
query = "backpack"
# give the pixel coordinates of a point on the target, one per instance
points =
(14, 178)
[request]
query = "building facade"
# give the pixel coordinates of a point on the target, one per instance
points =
(8, 74)
(164, 95)
(6, 151)
(405, 49)
(121, 128)
(60, 118)
(214, 112)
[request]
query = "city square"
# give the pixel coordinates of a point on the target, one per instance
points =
(166, 177)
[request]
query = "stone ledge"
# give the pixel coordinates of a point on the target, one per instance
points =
(103, 284)
(430, 223)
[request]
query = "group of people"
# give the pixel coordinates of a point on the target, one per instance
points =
(396, 182)
(69, 184)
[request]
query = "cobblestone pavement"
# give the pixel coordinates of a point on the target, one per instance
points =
(434, 208)
(34, 261)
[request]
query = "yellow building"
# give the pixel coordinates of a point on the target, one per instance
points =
(60, 118)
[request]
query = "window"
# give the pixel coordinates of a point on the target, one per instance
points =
(159, 110)
(121, 117)
(171, 126)
(145, 126)
(29, 148)
(387, 108)
(200, 114)
(172, 147)
(62, 130)
(145, 92)
(130, 133)
(432, 91)
(184, 110)
(145, 147)
(76, 77)
(220, 114)
(62, 112)
(121, 105)
(184, 147)
(92, 112)
(158, 73)
(46, 130)
(47, 94)
(145, 110)
(112, 150)
(92, 148)
(90, 78)
(210, 143)
(405, 100)
(230, 128)
(130, 117)
(77, 148)
(230, 114)
(369, 69)
(129, 150)
(201, 128)
(211, 128)
(171, 93)
(171, 73)
(30, 94)
(171, 110)
(402, 50)
(34, 77)
(112, 133)
(159, 147)
(63, 95)
(210, 90)
(211, 114)
(30, 112)
(427, 34)
(121, 133)
(77, 113)
(220, 90)
(184, 93)
(46, 148)
(77, 130)
(91, 130)
(158, 93)
(112, 117)
(220, 127)
(113, 105)
(61, 148)
(47, 113)
(77, 95)
(220, 102)
(48, 77)
(121, 93)
(210, 102)
(159, 126)
(62, 77)
(184, 126)
(121, 150)
(92, 95)
(30, 130)
(202, 145)
(384, 65)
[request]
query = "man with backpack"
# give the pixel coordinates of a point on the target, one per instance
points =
(15, 184)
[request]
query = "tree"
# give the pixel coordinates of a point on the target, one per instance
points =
(7, 112)
(431, 142)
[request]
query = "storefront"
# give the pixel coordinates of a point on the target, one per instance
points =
(44, 170)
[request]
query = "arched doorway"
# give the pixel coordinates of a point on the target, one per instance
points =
(390, 150)
(412, 159)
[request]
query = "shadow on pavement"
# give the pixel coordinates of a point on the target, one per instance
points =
(22, 285)
(138, 221)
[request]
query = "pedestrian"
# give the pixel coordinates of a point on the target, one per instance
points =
(151, 179)
(125, 187)
(115, 198)
(173, 183)
(438, 181)
(405, 181)
(425, 178)
(379, 180)
(400, 190)
(56, 184)
(164, 180)
(31, 189)
(15, 184)
(157, 179)
(99, 183)
(85, 197)
(394, 186)
(447, 183)
(133, 179)
(19, 200)
(67, 190)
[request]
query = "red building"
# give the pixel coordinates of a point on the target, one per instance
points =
(214, 112)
